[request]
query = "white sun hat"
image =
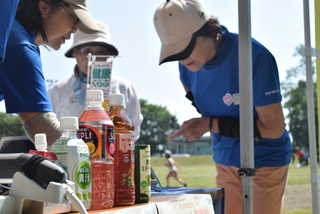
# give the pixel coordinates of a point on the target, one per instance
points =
(98, 38)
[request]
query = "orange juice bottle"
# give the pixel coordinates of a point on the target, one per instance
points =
(96, 130)
(124, 151)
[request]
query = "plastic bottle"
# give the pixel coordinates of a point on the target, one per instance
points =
(124, 151)
(74, 155)
(96, 129)
(40, 142)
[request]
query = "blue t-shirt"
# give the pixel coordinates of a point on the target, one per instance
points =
(7, 13)
(22, 83)
(215, 88)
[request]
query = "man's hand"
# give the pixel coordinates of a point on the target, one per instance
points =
(192, 129)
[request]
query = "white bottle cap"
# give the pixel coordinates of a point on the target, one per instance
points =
(116, 100)
(40, 142)
(94, 95)
(69, 123)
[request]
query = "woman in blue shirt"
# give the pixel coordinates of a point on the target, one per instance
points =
(22, 84)
(209, 71)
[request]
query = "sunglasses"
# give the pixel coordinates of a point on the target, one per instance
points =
(86, 51)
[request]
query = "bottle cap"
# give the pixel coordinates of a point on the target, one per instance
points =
(40, 142)
(95, 95)
(69, 123)
(116, 100)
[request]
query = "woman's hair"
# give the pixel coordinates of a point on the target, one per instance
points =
(28, 14)
(211, 29)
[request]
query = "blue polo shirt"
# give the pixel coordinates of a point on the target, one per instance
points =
(215, 88)
(22, 83)
(7, 13)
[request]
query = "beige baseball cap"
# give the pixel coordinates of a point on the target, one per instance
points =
(176, 21)
(86, 24)
(98, 38)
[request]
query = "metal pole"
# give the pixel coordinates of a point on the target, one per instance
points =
(246, 103)
(311, 114)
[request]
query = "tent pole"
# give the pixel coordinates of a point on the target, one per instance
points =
(246, 114)
(311, 115)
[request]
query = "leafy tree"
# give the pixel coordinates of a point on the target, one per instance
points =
(294, 88)
(157, 125)
(10, 125)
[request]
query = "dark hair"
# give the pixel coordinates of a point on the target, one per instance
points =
(28, 14)
(211, 29)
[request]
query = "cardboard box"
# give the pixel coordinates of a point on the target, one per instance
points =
(143, 209)
(187, 204)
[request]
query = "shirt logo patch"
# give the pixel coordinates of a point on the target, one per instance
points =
(228, 99)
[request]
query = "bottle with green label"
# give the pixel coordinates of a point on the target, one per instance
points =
(74, 155)
(142, 173)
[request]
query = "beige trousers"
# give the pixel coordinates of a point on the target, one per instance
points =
(268, 188)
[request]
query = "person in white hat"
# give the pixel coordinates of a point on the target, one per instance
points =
(68, 95)
(209, 71)
(22, 84)
(173, 171)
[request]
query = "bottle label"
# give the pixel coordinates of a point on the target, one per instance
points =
(49, 155)
(143, 175)
(75, 157)
(82, 178)
(60, 148)
(99, 139)
(124, 159)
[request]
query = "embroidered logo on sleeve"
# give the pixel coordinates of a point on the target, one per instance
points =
(272, 92)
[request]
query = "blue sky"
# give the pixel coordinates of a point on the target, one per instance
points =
(277, 24)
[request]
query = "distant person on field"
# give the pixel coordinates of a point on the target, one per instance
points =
(300, 154)
(68, 95)
(303, 159)
(172, 165)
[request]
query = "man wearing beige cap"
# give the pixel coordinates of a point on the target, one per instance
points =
(209, 71)
(22, 84)
(68, 95)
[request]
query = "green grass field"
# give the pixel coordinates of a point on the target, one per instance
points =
(199, 171)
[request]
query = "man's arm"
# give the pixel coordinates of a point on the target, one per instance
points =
(41, 122)
(270, 121)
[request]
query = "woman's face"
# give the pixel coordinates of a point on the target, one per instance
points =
(59, 24)
(203, 52)
(81, 55)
